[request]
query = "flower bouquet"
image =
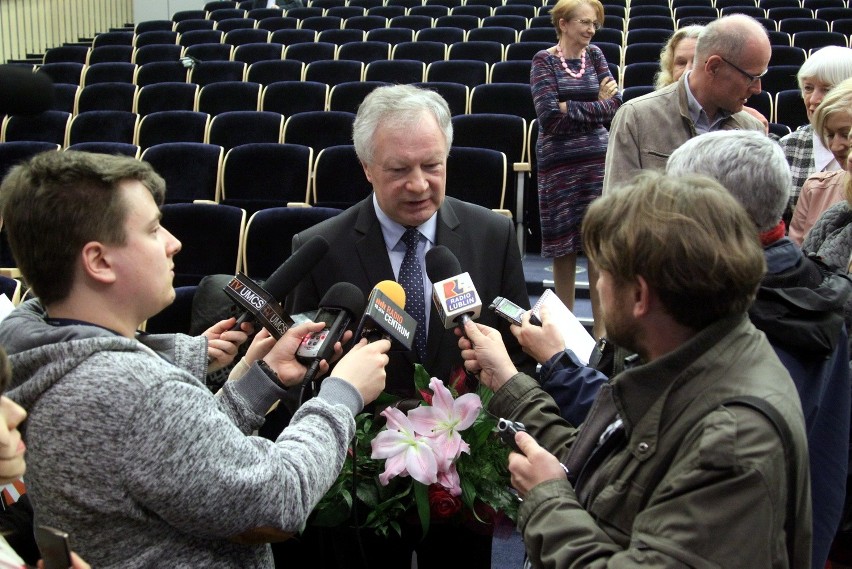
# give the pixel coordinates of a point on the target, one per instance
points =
(441, 460)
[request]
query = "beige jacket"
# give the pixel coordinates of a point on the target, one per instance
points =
(646, 130)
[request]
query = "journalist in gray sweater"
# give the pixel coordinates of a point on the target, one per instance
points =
(131, 454)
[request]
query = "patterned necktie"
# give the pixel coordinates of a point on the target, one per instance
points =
(411, 279)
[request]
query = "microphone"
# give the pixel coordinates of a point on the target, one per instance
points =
(385, 318)
(340, 303)
(453, 292)
(263, 303)
(23, 92)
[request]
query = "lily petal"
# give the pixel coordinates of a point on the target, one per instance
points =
(421, 464)
(451, 481)
(466, 409)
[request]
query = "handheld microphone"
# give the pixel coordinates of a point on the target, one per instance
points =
(340, 303)
(453, 292)
(385, 318)
(263, 303)
(23, 92)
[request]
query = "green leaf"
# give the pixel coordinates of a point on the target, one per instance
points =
(421, 497)
(384, 399)
(421, 378)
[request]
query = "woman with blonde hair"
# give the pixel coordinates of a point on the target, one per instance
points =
(574, 95)
(677, 55)
(832, 122)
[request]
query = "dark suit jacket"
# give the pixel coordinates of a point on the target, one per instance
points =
(485, 245)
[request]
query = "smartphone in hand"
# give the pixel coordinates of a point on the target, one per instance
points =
(54, 547)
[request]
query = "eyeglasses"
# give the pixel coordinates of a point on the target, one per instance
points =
(752, 79)
(588, 24)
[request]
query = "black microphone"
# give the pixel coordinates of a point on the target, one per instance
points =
(23, 92)
(384, 317)
(263, 303)
(453, 292)
(337, 308)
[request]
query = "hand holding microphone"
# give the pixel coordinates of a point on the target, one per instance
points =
(281, 358)
(364, 367)
(337, 308)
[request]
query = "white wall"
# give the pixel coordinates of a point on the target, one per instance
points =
(162, 9)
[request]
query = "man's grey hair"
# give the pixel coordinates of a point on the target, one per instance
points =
(727, 37)
(397, 107)
(748, 163)
(830, 65)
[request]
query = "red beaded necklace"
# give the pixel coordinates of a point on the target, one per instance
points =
(575, 75)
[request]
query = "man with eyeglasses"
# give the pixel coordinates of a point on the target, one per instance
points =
(731, 56)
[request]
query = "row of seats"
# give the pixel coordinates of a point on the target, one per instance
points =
(228, 19)
(284, 97)
(313, 132)
(297, 95)
(255, 177)
(468, 72)
(813, 4)
(780, 101)
(444, 43)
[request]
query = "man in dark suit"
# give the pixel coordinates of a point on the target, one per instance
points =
(402, 136)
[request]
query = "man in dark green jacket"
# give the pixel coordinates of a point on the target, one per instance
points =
(694, 457)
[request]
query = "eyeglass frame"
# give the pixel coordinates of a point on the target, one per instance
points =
(588, 23)
(751, 78)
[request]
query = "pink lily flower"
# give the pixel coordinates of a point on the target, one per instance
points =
(407, 453)
(450, 480)
(443, 420)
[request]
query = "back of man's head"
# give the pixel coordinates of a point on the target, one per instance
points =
(397, 107)
(690, 240)
(57, 202)
(747, 163)
(727, 37)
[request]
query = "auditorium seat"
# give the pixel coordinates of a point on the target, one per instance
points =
(48, 126)
(223, 96)
(291, 97)
(319, 129)
(102, 126)
(339, 180)
(276, 225)
(192, 170)
(242, 127)
(262, 175)
(166, 96)
(202, 228)
(172, 126)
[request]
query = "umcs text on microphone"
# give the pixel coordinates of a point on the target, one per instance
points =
(263, 303)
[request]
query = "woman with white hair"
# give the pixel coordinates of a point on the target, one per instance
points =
(803, 148)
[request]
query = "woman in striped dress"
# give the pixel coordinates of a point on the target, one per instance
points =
(574, 95)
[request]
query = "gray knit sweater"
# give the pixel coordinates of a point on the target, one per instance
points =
(133, 456)
(831, 236)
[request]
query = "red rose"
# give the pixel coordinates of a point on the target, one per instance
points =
(458, 379)
(443, 504)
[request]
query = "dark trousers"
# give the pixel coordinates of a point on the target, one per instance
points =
(445, 547)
